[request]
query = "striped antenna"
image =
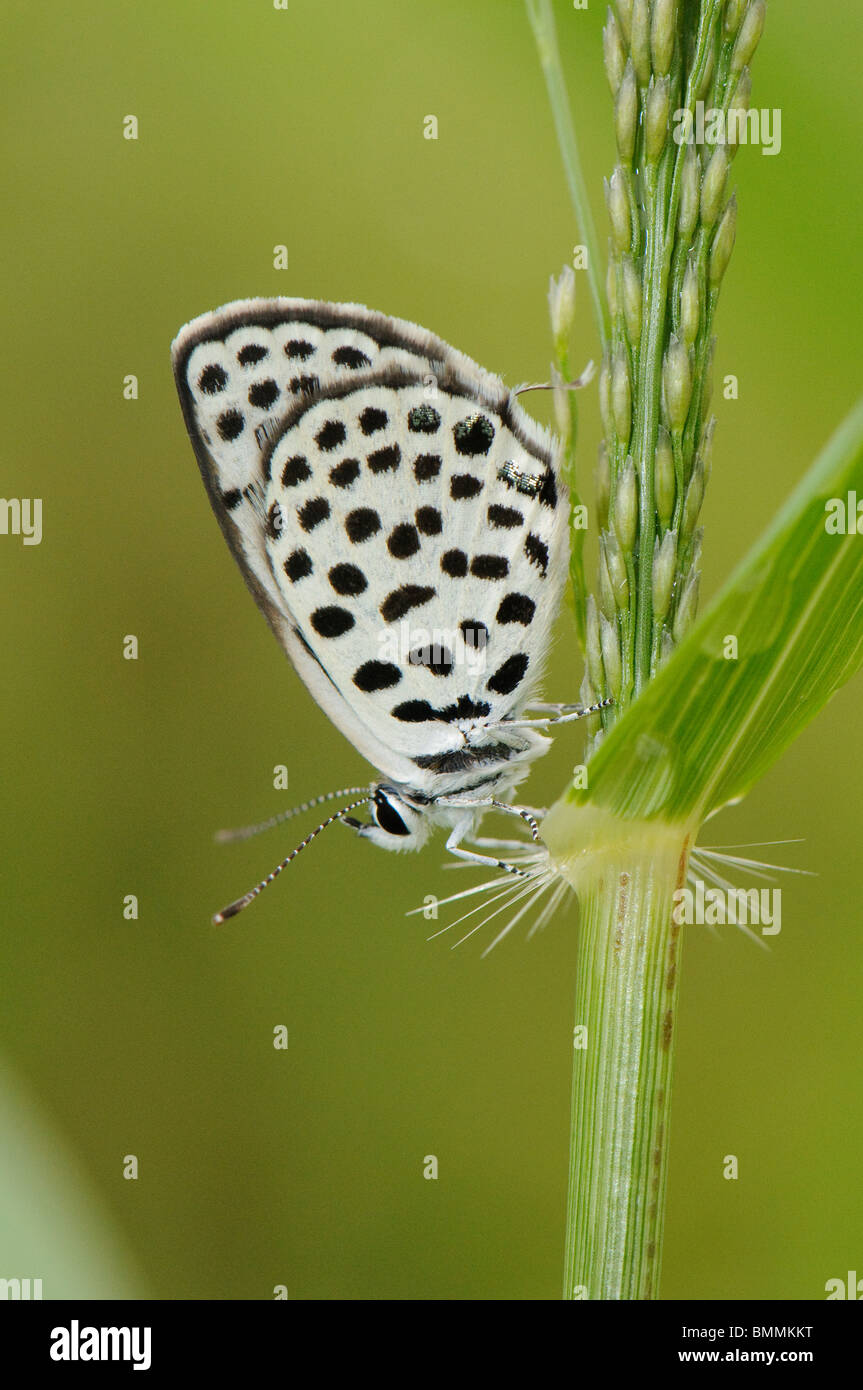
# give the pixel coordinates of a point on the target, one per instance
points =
(233, 908)
(245, 832)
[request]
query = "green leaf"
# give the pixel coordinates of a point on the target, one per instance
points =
(54, 1226)
(708, 727)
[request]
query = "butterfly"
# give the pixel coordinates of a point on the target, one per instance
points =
(402, 524)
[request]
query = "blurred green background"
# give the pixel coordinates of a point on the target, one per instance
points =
(154, 1037)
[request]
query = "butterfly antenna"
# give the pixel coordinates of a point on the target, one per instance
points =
(233, 908)
(245, 832)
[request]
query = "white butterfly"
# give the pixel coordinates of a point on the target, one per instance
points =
(403, 526)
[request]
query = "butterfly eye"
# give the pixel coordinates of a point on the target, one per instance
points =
(388, 817)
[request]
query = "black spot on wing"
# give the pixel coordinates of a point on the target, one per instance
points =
(231, 499)
(429, 521)
(299, 348)
(361, 524)
(230, 425)
(426, 467)
(475, 634)
(373, 419)
(400, 601)
(264, 394)
(351, 357)
(473, 436)
(516, 608)
(330, 436)
(454, 563)
(489, 567)
(313, 512)
(548, 490)
(527, 483)
(434, 657)
(298, 565)
(464, 486)
(252, 353)
(504, 518)
(385, 460)
(423, 419)
(464, 708)
(508, 675)
(295, 471)
(376, 675)
(344, 473)
(212, 380)
(403, 541)
(536, 551)
(414, 712)
(348, 580)
(331, 621)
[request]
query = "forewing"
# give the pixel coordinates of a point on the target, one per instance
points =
(240, 370)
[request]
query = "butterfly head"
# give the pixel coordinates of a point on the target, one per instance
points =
(397, 822)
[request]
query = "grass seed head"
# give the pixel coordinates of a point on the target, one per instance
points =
(626, 114)
(664, 565)
(677, 382)
(690, 306)
(639, 42)
(613, 52)
(603, 484)
(625, 515)
(617, 197)
(723, 243)
(631, 300)
(749, 35)
(713, 186)
(621, 397)
(664, 485)
(656, 118)
(690, 180)
(662, 27)
(611, 659)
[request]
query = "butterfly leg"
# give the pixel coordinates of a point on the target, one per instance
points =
(463, 827)
(488, 842)
(554, 706)
(554, 714)
(454, 846)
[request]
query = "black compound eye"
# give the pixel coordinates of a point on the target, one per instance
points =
(388, 818)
